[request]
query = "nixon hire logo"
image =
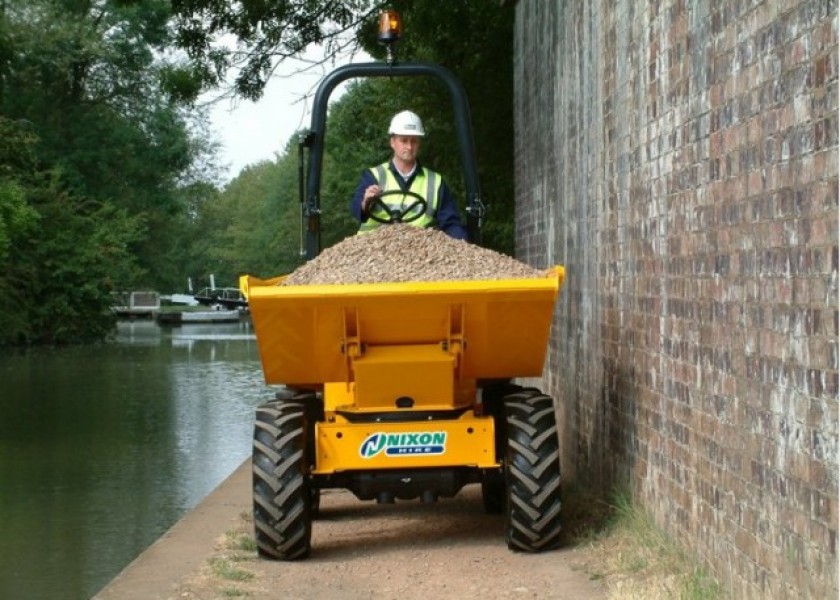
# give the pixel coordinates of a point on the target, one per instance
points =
(404, 444)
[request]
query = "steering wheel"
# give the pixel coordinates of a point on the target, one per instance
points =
(397, 215)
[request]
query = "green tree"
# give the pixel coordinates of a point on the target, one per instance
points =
(90, 78)
(18, 220)
(63, 254)
(267, 32)
(101, 155)
(254, 225)
(74, 266)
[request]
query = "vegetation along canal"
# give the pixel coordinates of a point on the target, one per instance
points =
(103, 448)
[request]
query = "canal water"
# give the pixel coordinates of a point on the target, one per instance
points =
(103, 448)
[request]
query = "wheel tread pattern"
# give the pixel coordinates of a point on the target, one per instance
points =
(282, 497)
(532, 515)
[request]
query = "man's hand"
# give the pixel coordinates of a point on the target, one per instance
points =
(371, 192)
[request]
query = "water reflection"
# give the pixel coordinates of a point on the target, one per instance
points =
(103, 448)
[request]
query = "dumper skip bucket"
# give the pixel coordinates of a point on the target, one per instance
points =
(302, 330)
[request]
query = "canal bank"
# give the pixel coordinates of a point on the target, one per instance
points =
(186, 546)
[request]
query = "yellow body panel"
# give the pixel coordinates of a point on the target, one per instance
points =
(420, 373)
(306, 333)
(343, 397)
(343, 446)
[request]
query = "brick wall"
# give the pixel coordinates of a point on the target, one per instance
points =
(680, 158)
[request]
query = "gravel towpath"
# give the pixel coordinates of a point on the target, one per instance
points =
(407, 550)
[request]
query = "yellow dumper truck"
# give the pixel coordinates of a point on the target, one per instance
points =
(401, 390)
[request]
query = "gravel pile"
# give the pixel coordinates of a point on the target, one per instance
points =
(398, 253)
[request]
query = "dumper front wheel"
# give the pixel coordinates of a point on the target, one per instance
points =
(282, 494)
(532, 472)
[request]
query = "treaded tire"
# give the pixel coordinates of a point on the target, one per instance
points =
(532, 472)
(314, 407)
(282, 491)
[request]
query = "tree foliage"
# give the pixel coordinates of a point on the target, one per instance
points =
(95, 152)
(63, 256)
(85, 75)
(74, 268)
(266, 32)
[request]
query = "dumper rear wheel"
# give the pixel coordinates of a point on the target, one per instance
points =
(282, 493)
(532, 472)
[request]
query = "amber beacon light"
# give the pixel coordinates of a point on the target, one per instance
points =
(390, 30)
(390, 26)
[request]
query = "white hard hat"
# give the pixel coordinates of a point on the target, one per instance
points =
(406, 123)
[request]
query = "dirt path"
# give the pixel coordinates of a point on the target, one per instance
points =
(407, 550)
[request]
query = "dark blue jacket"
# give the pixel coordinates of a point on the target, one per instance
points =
(448, 218)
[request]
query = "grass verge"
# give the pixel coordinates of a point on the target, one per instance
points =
(226, 569)
(227, 573)
(633, 557)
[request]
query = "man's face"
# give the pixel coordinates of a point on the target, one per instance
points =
(405, 147)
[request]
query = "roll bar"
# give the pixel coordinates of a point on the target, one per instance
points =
(314, 140)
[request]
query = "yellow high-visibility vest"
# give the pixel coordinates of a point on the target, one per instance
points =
(426, 184)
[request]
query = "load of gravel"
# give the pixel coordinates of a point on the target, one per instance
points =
(399, 253)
